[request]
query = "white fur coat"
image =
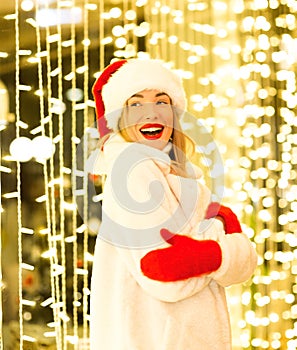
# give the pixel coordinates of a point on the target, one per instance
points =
(129, 311)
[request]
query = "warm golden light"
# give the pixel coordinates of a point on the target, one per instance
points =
(238, 61)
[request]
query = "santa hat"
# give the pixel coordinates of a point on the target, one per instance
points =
(124, 78)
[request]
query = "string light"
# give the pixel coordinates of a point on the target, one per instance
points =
(270, 157)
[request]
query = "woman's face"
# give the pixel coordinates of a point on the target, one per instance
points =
(148, 118)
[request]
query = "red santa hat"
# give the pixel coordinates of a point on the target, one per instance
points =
(124, 78)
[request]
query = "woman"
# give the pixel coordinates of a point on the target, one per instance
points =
(161, 263)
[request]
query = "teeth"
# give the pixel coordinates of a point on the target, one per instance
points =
(153, 129)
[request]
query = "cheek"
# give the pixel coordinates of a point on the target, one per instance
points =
(167, 133)
(168, 116)
(134, 113)
(132, 133)
(127, 128)
(129, 118)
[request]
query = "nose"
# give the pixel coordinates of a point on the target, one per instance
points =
(150, 110)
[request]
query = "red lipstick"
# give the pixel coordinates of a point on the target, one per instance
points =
(152, 131)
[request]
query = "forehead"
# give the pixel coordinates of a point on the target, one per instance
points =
(149, 93)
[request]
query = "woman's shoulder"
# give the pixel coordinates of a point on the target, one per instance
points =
(194, 171)
(119, 153)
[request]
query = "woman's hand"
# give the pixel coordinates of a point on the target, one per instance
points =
(185, 258)
(226, 215)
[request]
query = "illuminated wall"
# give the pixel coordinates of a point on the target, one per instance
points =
(238, 61)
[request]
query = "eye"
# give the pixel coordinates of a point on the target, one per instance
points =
(162, 102)
(135, 104)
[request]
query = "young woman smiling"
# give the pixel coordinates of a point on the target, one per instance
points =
(161, 260)
(150, 118)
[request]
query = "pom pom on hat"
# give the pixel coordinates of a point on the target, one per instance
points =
(124, 78)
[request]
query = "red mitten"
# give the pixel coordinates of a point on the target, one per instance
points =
(231, 222)
(185, 258)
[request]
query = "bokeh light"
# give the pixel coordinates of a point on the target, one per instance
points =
(238, 62)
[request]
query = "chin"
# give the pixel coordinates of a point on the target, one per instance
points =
(158, 144)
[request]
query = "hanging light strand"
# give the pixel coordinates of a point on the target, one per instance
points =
(61, 174)
(85, 179)
(52, 242)
(51, 203)
(74, 184)
(101, 37)
(18, 165)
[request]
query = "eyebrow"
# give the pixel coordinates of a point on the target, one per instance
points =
(157, 95)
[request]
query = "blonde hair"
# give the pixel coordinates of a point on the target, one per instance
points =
(183, 148)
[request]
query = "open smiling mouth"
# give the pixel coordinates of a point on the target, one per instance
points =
(152, 131)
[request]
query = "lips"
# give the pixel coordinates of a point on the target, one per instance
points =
(152, 131)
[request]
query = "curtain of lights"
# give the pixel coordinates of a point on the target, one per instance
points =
(267, 187)
(238, 60)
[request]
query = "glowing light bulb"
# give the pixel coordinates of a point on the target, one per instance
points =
(43, 148)
(21, 149)
(27, 5)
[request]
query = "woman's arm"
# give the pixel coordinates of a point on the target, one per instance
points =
(141, 215)
(228, 259)
(225, 215)
(239, 260)
(239, 256)
(185, 258)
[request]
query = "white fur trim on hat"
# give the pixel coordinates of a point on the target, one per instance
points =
(137, 75)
